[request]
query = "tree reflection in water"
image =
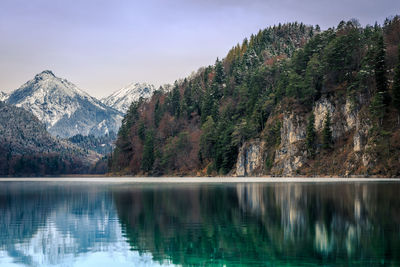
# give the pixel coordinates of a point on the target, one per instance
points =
(67, 224)
(349, 223)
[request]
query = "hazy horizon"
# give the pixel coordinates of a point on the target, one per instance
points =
(102, 46)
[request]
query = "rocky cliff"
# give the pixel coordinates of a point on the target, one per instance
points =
(351, 131)
(250, 159)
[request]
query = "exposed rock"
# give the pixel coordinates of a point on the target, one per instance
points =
(351, 115)
(321, 108)
(290, 155)
(344, 117)
(250, 158)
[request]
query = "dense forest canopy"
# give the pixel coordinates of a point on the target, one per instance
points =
(199, 125)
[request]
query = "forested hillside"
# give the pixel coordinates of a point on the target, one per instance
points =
(27, 149)
(289, 100)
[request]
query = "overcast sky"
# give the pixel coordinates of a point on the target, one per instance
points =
(102, 45)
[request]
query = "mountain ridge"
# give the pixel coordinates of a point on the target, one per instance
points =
(63, 107)
(122, 98)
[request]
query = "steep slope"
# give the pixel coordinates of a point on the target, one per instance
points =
(290, 100)
(26, 148)
(122, 99)
(64, 108)
(3, 96)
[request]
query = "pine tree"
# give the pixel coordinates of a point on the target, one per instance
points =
(380, 70)
(396, 87)
(311, 136)
(208, 138)
(176, 98)
(142, 131)
(148, 152)
(219, 72)
(157, 113)
(377, 107)
(327, 139)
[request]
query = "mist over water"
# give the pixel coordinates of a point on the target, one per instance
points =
(83, 224)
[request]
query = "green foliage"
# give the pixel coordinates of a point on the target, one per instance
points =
(101, 144)
(158, 112)
(141, 132)
(175, 102)
(342, 53)
(208, 139)
(396, 84)
(380, 70)
(275, 134)
(377, 107)
(148, 152)
(226, 151)
(243, 131)
(285, 67)
(131, 116)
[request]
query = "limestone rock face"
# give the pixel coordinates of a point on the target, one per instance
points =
(321, 108)
(348, 121)
(343, 116)
(250, 158)
(290, 155)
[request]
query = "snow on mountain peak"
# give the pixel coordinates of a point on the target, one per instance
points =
(122, 99)
(59, 104)
(45, 73)
(3, 96)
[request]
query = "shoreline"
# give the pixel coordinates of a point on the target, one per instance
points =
(180, 180)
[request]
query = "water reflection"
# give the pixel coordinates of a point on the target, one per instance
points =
(270, 224)
(68, 225)
(275, 224)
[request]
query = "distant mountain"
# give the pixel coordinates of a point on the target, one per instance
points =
(64, 108)
(3, 96)
(122, 99)
(26, 148)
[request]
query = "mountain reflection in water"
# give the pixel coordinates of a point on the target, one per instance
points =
(82, 224)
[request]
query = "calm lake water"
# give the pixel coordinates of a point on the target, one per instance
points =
(83, 224)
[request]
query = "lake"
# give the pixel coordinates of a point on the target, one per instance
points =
(126, 224)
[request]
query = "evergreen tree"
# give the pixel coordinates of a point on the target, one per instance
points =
(142, 131)
(175, 101)
(208, 138)
(377, 107)
(219, 72)
(157, 113)
(380, 70)
(311, 136)
(396, 86)
(148, 152)
(327, 139)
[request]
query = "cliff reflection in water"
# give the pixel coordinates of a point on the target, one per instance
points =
(264, 223)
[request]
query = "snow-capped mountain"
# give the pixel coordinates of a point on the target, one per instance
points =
(122, 99)
(64, 108)
(3, 96)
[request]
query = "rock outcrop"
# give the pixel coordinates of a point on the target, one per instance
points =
(290, 155)
(250, 159)
(347, 122)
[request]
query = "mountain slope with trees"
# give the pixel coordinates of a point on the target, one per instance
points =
(26, 148)
(289, 100)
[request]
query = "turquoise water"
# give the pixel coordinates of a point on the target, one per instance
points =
(277, 224)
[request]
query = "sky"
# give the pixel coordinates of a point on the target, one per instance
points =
(103, 45)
